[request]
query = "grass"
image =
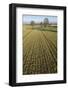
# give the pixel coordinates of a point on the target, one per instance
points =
(39, 50)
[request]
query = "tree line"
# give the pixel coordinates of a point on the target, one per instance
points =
(44, 23)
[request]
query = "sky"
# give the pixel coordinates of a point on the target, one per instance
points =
(38, 18)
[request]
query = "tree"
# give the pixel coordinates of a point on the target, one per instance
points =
(46, 22)
(32, 23)
(41, 24)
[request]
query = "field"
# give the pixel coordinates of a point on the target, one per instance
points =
(39, 50)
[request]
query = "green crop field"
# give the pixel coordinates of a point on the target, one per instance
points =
(39, 50)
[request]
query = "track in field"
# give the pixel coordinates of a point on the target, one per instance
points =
(39, 53)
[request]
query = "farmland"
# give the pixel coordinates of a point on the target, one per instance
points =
(39, 50)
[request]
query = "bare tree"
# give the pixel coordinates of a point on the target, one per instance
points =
(41, 24)
(32, 23)
(46, 22)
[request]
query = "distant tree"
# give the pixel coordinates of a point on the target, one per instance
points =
(41, 24)
(46, 22)
(32, 23)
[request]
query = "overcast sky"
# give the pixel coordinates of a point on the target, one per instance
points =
(38, 18)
